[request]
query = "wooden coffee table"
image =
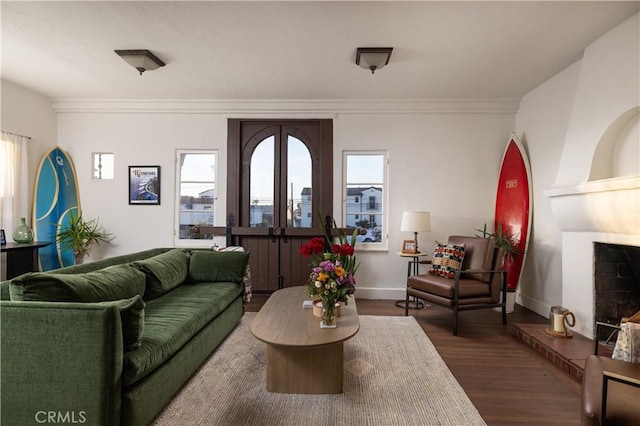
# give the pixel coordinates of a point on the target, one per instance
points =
(301, 356)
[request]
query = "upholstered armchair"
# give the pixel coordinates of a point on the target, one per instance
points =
(611, 387)
(466, 273)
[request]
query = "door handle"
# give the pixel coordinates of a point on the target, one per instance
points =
(272, 234)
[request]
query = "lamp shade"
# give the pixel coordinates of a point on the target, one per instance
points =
(416, 222)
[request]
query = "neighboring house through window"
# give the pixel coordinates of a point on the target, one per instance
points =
(196, 194)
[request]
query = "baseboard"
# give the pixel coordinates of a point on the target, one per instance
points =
(380, 293)
(534, 305)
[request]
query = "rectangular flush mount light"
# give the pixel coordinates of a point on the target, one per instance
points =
(373, 58)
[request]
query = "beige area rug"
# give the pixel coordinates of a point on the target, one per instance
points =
(393, 376)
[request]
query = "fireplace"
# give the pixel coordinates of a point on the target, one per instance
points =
(616, 282)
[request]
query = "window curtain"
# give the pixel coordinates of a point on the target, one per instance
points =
(14, 180)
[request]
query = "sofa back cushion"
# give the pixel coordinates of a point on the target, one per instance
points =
(111, 283)
(478, 254)
(211, 266)
(132, 319)
(164, 272)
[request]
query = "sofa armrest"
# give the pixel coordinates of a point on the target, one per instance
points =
(64, 358)
(616, 377)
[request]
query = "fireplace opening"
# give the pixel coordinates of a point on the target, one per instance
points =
(616, 283)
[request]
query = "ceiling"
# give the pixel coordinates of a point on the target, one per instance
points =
(297, 50)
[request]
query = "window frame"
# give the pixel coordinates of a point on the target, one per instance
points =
(183, 242)
(373, 246)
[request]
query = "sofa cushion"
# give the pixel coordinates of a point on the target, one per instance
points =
(164, 272)
(447, 259)
(211, 266)
(132, 319)
(111, 283)
(478, 255)
(172, 320)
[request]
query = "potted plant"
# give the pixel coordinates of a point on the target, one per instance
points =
(79, 235)
(506, 241)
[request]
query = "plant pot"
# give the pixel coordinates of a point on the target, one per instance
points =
(317, 308)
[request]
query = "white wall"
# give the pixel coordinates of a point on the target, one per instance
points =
(446, 163)
(27, 113)
(542, 123)
(572, 123)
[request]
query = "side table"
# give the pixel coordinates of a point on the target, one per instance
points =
(412, 269)
(22, 257)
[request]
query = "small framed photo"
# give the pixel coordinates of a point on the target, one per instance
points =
(3, 239)
(410, 246)
(144, 185)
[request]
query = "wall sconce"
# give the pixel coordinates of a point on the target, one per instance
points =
(373, 58)
(141, 59)
(416, 222)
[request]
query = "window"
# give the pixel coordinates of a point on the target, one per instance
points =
(364, 205)
(196, 194)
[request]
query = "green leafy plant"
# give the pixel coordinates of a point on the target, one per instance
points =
(80, 235)
(504, 240)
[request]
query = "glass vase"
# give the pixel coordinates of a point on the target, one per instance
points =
(329, 314)
(23, 234)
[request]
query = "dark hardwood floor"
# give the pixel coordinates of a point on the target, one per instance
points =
(509, 383)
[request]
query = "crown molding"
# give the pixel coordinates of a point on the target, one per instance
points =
(316, 108)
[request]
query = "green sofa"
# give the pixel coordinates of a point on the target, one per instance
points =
(111, 342)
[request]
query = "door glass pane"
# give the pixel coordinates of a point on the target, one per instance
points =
(299, 190)
(197, 195)
(261, 184)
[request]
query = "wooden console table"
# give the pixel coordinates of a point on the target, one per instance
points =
(22, 257)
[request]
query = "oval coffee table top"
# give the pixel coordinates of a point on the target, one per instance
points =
(283, 321)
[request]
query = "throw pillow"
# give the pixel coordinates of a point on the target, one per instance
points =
(164, 272)
(246, 280)
(132, 319)
(447, 259)
(111, 283)
(211, 266)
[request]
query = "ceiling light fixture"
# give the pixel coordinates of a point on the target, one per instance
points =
(141, 59)
(373, 58)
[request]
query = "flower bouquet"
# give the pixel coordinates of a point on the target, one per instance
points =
(332, 279)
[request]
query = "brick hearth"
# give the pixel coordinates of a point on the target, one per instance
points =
(568, 354)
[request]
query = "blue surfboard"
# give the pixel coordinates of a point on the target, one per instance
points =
(55, 196)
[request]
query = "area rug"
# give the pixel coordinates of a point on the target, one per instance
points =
(393, 376)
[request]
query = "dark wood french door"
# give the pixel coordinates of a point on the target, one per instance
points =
(279, 184)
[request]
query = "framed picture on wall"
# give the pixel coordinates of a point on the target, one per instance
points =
(144, 185)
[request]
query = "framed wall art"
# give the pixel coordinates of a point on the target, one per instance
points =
(144, 185)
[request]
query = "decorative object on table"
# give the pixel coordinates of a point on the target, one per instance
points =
(332, 279)
(55, 195)
(3, 238)
(414, 222)
(79, 235)
(23, 233)
(144, 185)
(513, 207)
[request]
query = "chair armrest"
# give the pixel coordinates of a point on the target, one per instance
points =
(64, 357)
(615, 328)
(620, 378)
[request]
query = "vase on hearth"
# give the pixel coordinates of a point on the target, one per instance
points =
(23, 234)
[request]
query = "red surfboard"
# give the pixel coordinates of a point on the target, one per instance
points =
(513, 206)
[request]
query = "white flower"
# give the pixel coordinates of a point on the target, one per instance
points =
(318, 284)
